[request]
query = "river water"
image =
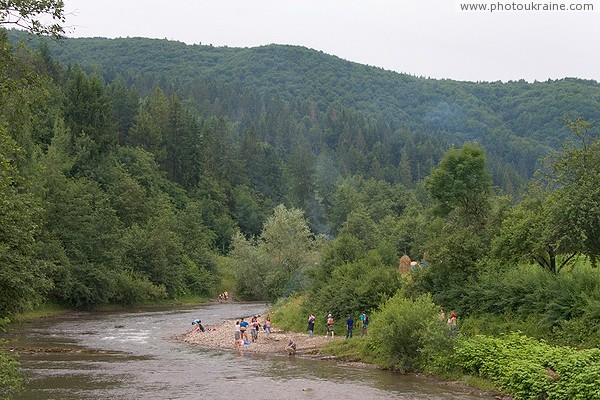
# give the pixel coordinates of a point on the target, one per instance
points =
(132, 354)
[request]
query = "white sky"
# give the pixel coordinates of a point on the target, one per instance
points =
(429, 38)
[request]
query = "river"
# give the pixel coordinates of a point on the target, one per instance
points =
(132, 354)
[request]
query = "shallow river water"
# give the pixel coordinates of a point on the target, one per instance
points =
(131, 355)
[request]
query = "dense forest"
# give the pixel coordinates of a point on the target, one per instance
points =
(137, 170)
(515, 122)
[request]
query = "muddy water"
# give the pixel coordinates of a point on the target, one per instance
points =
(130, 355)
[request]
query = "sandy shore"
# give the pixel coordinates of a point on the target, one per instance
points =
(221, 336)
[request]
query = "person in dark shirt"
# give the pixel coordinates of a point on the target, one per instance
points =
(311, 324)
(350, 325)
(199, 326)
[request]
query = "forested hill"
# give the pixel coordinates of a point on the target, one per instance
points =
(516, 122)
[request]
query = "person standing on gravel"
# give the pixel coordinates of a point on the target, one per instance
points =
(364, 319)
(350, 326)
(254, 324)
(243, 328)
(329, 325)
(237, 334)
(311, 324)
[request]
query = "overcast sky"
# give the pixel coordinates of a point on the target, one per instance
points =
(429, 38)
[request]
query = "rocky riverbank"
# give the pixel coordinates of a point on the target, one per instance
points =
(221, 336)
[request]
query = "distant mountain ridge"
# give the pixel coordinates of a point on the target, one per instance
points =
(515, 121)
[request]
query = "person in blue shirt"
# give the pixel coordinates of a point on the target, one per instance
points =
(243, 329)
(350, 325)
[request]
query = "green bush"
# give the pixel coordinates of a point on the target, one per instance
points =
(408, 334)
(531, 369)
(290, 313)
(132, 288)
(11, 379)
(562, 308)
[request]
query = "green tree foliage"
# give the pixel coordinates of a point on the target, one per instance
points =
(125, 102)
(461, 183)
(287, 238)
(215, 211)
(574, 206)
(393, 117)
(453, 255)
(559, 220)
(249, 210)
(354, 287)
(528, 233)
(254, 270)
(525, 292)
(375, 199)
(276, 264)
(31, 15)
(21, 278)
(88, 115)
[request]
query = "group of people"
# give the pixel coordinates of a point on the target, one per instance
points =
(242, 326)
(452, 323)
(364, 325)
(223, 296)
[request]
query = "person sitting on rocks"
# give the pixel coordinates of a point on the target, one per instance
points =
(291, 348)
(199, 326)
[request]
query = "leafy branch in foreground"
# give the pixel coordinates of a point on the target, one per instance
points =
(32, 15)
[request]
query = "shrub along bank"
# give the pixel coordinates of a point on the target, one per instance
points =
(529, 368)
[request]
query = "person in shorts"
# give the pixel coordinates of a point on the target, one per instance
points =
(329, 325)
(243, 328)
(237, 334)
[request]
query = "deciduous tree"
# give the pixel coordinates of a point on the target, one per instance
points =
(31, 15)
(462, 183)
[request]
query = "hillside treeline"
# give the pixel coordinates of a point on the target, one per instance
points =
(515, 122)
